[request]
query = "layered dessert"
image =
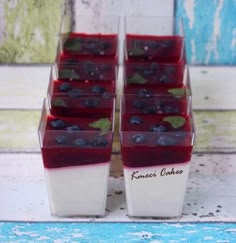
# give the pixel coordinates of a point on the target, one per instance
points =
(157, 73)
(154, 39)
(91, 36)
(76, 153)
(154, 48)
(146, 101)
(90, 44)
(83, 98)
(156, 152)
(73, 67)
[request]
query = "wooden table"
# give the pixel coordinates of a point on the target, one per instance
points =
(209, 212)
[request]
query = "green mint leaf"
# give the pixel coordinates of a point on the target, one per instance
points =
(104, 124)
(177, 92)
(68, 74)
(135, 51)
(136, 79)
(59, 102)
(175, 121)
(72, 44)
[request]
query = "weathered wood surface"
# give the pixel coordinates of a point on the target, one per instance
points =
(210, 196)
(28, 29)
(23, 89)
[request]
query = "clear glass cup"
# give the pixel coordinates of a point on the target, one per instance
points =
(156, 153)
(154, 38)
(80, 98)
(72, 67)
(156, 73)
(76, 156)
(89, 35)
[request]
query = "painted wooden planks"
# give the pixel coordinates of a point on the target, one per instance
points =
(215, 131)
(210, 195)
(209, 30)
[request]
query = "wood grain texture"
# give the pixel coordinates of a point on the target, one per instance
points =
(210, 195)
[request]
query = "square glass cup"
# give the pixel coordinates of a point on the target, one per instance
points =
(89, 34)
(156, 153)
(163, 99)
(80, 98)
(76, 155)
(154, 38)
(80, 68)
(155, 73)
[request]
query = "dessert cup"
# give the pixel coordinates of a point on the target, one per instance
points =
(76, 155)
(89, 35)
(154, 38)
(156, 153)
(80, 98)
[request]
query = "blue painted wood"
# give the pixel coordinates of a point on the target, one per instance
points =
(117, 232)
(210, 30)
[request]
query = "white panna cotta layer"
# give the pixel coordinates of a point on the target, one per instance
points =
(156, 191)
(78, 190)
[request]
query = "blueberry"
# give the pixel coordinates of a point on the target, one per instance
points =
(99, 141)
(107, 95)
(144, 93)
(166, 141)
(158, 128)
(135, 120)
(64, 87)
(81, 142)
(91, 45)
(73, 93)
(98, 89)
(73, 128)
(163, 79)
(138, 138)
(104, 45)
(148, 72)
(61, 139)
(57, 123)
(149, 110)
(167, 43)
(91, 102)
(91, 69)
(139, 104)
(169, 109)
(153, 44)
(169, 70)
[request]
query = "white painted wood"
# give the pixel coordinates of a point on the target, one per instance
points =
(213, 88)
(23, 87)
(128, 7)
(211, 191)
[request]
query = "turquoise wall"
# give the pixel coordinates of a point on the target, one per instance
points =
(210, 29)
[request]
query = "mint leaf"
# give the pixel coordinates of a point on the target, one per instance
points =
(136, 79)
(72, 44)
(104, 124)
(175, 121)
(68, 74)
(136, 51)
(59, 102)
(177, 92)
